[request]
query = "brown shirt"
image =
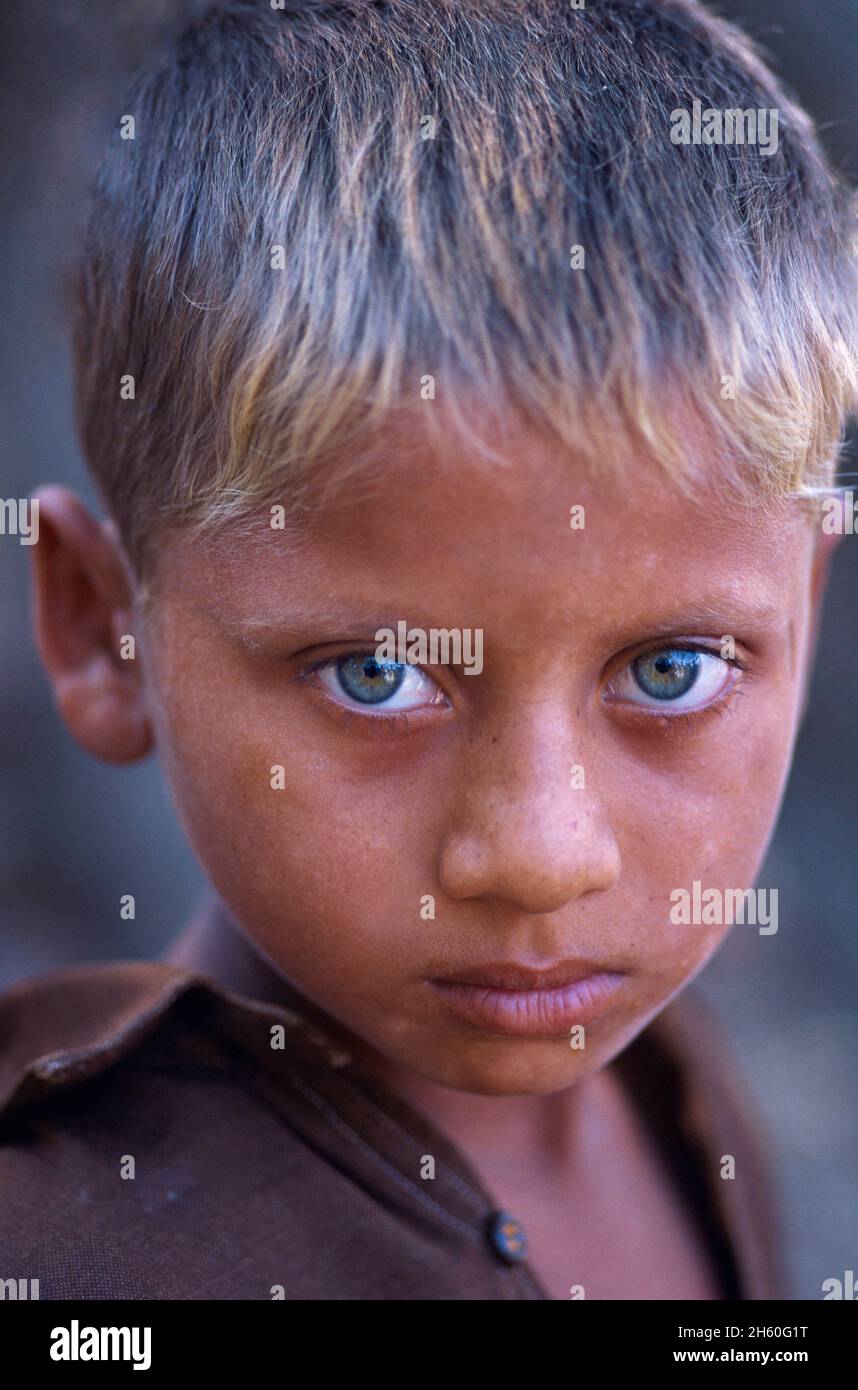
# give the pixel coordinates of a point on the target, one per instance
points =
(257, 1166)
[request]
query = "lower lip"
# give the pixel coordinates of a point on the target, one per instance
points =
(531, 1012)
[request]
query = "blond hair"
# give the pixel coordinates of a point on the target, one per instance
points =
(426, 169)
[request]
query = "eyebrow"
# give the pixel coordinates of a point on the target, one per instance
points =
(296, 621)
(725, 611)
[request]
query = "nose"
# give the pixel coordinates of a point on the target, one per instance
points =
(521, 833)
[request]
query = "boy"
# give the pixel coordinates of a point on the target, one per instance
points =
(435, 320)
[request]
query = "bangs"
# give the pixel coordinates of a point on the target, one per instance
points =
(446, 211)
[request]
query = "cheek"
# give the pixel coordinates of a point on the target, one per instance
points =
(304, 850)
(703, 810)
(718, 791)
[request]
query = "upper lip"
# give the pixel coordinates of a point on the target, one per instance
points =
(510, 975)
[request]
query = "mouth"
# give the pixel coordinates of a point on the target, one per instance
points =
(520, 1001)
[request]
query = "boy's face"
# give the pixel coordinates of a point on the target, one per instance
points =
(460, 786)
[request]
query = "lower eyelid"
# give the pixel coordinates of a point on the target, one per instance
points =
(689, 718)
(390, 724)
(376, 714)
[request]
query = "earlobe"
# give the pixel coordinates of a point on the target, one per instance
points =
(83, 603)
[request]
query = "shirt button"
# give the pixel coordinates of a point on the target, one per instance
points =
(507, 1237)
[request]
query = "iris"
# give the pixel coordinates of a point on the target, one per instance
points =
(368, 680)
(666, 675)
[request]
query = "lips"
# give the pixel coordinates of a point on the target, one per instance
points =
(519, 1000)
(510, 975)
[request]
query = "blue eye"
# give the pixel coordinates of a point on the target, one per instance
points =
(359, 680)
(674, 679)
(667, 675)
(368, 680)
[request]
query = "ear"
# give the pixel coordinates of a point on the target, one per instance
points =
(825, 545)
(83, 598)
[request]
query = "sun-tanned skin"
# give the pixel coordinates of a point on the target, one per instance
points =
(469, 797)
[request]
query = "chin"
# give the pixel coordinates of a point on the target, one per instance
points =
(518, 1075)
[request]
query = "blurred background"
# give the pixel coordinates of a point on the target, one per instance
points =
(76, 835)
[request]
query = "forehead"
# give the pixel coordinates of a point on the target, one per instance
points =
(536, 535)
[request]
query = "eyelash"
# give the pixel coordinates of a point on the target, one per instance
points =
(397, 722)
(683, 721)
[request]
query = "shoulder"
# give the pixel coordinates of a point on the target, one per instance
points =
(126, 1127)
(67, 1026)
(148, 1121)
